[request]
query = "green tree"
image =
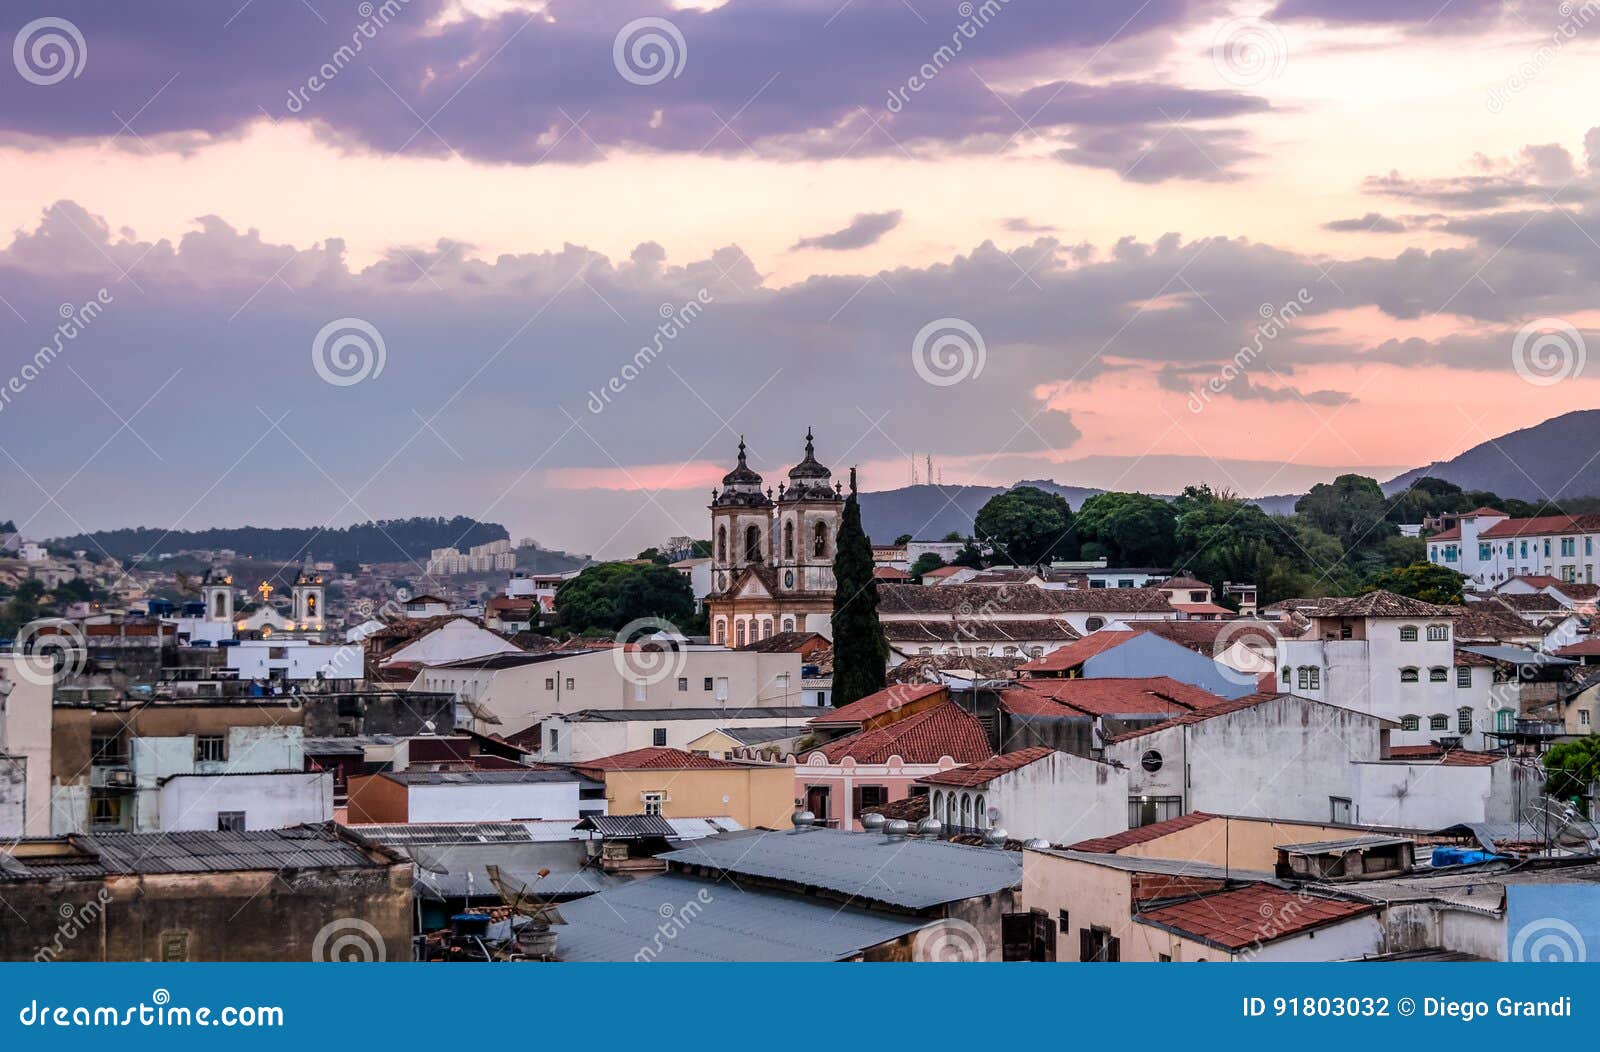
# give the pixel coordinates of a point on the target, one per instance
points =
(969, 555)
(860, 651)
(1351, 508)
(1026, 526)
(1424, 581)
(26, 605)
(1131, 529)
(1570, 768)
(904, 538)
(925, 562)
(607, 596)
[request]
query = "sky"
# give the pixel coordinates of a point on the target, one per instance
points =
(542, 262)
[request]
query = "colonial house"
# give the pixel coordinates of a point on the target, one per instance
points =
(1035, 792)
(1132, 652)
(1490, 547)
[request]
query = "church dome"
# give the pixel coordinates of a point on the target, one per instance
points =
(809, 479)
(742, 485)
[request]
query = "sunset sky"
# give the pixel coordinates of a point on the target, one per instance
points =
(1117, 244)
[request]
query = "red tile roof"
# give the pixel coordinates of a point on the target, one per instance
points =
(943, 571)
(890, 573)
(1484, 510)
(1543, 524)
(1220, 709)
(986, 771)
(1452, 534)
(1537, 580)
(884, 701)
(1104, 697)
(1201, 608)
(1583, 648)
(1183, 582)
(1076, 653)
(1251, 915)
(1453, 758)
(657, 759)
(1110, 845)
(923, 737)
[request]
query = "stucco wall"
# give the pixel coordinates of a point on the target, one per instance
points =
(269, 801)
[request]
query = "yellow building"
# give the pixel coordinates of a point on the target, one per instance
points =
(677, 784)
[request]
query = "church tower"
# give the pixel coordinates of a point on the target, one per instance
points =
(217, 591)
(308, 594)
(807, 530)
(741, 524)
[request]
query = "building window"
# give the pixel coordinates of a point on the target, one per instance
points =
(1408, 675)
(641, 690)
(708, 683)
(1505, 720)
(752, 544)
(722, 544)
(1287, 671)
(1304, 680)
(1569, 546)
(1438, 633)
(1438, 675)
(1438, 722)
(652, 802)
(1151, 761)
(107, 749)
(658, 737)
(1148, 810)
(230, 821)
(1095, 624)
(174, 946)
(1463, 676)
(683, 682)
(1583, 717)
(210, 748)
(721, 632)
(1316, 678)
(788, 540)
(105, 809)
(1483, 552)
(819, 540)
(549, 683)
(1339, 810)
(1463, 721)
(570, 683)
(1408, 634)
(1410, 723)
(555, 739)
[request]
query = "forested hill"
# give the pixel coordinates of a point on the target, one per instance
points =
(389, 540)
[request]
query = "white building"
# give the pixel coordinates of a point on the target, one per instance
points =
(1489, 547)
(294, 660)
(25, 712)
(1396, 658)
(1034, 792)
(474, 796)
(241, 801)
(480, 558)
(577, 737)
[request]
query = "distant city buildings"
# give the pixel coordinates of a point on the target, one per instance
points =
(480, 558)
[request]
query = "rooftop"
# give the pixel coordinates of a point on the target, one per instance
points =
(658, 759)
(1079, 651)
(1248, 916)
(923, 737)
(733, 712)
(986, 771)
(106, 854)
(904, 872)
(1104, 697)
(878, 703)
(1144, 834)
(1222, 708)
(1378, 604)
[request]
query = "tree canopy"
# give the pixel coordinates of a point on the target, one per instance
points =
(860, 651)
(1423, 580)
(607, 596)
(1026, 526)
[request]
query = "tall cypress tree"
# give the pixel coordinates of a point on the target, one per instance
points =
(860, 652)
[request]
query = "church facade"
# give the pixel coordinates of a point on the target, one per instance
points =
(772, 552)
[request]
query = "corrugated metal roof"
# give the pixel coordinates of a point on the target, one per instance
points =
(628, 827)
(459, 870)
(728, 712)
(200, 851)
(870, 867)
(718, 922)
(1357, 843)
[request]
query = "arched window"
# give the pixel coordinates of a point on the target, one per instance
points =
(788, 539)
(719, 632)
(766, 628)
(1438, 722)
(752, 544)
(980, 814)
(1408, 675)
(788, 624)
(1037, 652)
(1010, 652)
(222, 605)
(966, 811)
(1095, 624)
(938, 804)
(739, 630)
(1287, 670)
(1408, 633)
(950, 810)
(1438, 675)
(722, 544)
(982, 652)
(819, 540)
(1410, 723)
(1464, 720)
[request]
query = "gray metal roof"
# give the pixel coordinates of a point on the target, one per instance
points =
(1336, 847)
(302, 847)
(718, 922)
(446, 871)
(492, 777)
(759, 735)
(728, 712)
(1519, 656)
(1166, 866)
(899, 871)
(628, 827)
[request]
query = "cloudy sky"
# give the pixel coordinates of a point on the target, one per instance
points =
(542, 261)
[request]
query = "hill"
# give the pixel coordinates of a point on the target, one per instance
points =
(390, 540)
(1549, 461)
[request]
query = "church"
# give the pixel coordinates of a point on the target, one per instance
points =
(772, 553)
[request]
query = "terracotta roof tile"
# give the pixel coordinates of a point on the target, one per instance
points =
(977, 630)
(1582, 648)
(877, 704)
(1543, 524)
(1110, 845)
(986, 771)
(1076, 653)
(1378, 603)
(1104, 697)
(923, 737)
(1223, 708)
(1250, 915)
(657, 759)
